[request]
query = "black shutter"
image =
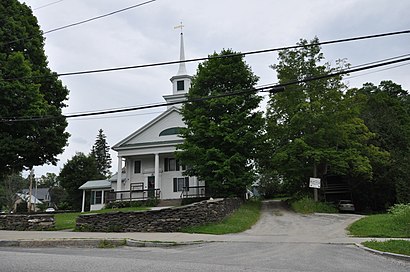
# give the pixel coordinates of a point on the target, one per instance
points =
(175, 185)
(166, 163)
(187, 183)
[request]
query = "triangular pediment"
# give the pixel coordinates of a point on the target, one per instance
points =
(150, 133)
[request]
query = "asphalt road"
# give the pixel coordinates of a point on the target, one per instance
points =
(217, 256)
(280, 241)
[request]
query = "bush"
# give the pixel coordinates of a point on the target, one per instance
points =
(125, 204)
(308, 205)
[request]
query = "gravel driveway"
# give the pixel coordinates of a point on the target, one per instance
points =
(279, 224)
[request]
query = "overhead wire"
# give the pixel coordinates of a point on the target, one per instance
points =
(216, 57)
(83, 21)
(49, 4)
(271, 88)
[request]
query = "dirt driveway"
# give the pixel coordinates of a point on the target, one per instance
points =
(279, 224)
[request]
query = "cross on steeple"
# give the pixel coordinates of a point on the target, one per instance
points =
(181, 26)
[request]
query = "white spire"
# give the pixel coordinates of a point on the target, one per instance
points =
(182, 68)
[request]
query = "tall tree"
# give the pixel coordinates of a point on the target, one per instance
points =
(101, 152)
(49, 180)
(221, 135)
(314, 128)
(28, 88)
(77, 171)
(9, 187)
(386, 112)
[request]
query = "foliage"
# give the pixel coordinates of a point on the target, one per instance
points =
(222, 133)
(242, 219)
(314, 127)
(27, 88)
(395, 224)
(393, 246)
(49, 180)
(77, 171)
(386, 112)
(58, 197)
(9, 186)
(308, 205)
(270, 185)
(101, 152)
(133, 204)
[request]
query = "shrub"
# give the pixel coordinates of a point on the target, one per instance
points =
(308, 205)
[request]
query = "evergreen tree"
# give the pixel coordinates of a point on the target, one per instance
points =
(77, 171)
(314, 128)
(222, 133)
(27, 88)
(101, 152)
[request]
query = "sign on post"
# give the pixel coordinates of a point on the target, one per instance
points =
(314, 183)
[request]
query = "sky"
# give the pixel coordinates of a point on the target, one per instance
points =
(146, 34)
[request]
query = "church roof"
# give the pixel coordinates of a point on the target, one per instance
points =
(127, 142)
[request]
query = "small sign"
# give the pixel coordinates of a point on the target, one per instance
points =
(314, 183)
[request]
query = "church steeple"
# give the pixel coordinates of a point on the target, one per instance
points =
(181, 82)
(182, 68)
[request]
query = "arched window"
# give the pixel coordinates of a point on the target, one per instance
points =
(170, 131)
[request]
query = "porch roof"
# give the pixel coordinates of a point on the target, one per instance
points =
(96, 184)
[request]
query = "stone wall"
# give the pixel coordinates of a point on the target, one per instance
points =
(27, 222)
(165, 220)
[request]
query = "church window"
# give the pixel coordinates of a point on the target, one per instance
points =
(170, 131)
(180, 85)
(137, 167)
(171, 164)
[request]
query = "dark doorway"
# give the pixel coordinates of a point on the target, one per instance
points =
(151, 186)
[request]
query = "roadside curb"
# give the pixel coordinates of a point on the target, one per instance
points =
(383, 253)
(92, 243)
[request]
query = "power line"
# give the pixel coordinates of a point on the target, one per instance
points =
(273, 88)
(84, 21)
(98, 17)
(49, 4)
(219, 57)
(269, 85)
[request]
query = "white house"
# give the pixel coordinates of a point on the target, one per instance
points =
(146, 158)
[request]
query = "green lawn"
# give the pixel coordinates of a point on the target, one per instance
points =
(68, 220)
(242, 219)
(394, 246)
(381, 225)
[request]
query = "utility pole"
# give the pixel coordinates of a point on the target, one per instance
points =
(30, 189)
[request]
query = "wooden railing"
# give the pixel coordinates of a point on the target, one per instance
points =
(133, 195)
(193, 191)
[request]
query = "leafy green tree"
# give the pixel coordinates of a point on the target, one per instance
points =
(222, 133)
(9, 186)
(101, 152)
(49, 180)
(28, 88)
(77, 171)
(314, 127)
(386, 111)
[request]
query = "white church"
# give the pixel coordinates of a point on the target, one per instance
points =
(146, 158)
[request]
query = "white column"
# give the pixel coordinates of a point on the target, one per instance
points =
(83, 205)
(102, 197)
(156, 170)
(119, 176)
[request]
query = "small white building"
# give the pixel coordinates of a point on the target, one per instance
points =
(146, 158)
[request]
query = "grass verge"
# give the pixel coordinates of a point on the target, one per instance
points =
(307, 205)
(242, 219)
(68, 220)
(395, 224)
(393, 246)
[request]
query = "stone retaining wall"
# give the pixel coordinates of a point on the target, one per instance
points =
(27, 222)
(165, 220)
